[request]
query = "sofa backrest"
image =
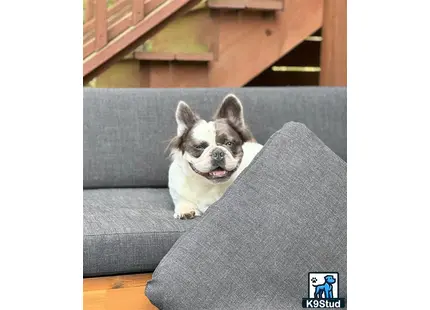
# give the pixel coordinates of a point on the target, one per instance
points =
(126, 131)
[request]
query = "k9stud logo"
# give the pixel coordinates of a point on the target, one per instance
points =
(323, 291)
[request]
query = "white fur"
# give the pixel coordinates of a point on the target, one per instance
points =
(192, 192)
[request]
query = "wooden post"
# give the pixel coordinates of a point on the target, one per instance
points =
(89, 9)
(101, 23)
(138, 11)
(333, 46)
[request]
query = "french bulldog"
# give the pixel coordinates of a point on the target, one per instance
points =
(207, 156)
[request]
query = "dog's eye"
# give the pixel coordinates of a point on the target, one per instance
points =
(229, 143)
(200, 146)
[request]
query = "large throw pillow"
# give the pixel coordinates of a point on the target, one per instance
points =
(285, 216)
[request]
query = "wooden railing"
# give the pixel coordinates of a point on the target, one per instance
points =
(104, 20)
(114, 29)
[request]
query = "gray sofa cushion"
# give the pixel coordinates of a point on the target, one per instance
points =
(285, 216)
(128, 230)
(126, 130)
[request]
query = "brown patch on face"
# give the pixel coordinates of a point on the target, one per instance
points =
(186, 143)
(229, 137)
(193, 147)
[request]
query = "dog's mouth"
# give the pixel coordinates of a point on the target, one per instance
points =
(217, 174)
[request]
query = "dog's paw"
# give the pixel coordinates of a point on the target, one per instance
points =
(184, 216)
(186, 211)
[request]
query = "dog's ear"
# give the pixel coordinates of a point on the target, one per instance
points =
(231, 108)
(185, 118)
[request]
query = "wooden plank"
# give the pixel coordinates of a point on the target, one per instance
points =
(116, 25)
(119, 15)
(89, 48)
(116, 8)
(89, 10)
(138, 11)
(333, 48)
(120, 26)
(227, 4)
(169, 56)
(162, 56)
(101, 24)
(204, 57)
(88, 36)
(117, 293)
(266, 5)
(134, 36)
(151, 5)
(114, 282)
(249, 47)
(132, 298)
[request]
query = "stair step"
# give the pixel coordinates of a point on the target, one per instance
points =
(264, 5)
(166, 56)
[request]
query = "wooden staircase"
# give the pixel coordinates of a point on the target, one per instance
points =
(110, 33)
(216, 43)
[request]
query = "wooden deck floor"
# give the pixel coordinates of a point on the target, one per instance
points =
(117, 293)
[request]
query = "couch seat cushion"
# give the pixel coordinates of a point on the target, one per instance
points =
(128, 230)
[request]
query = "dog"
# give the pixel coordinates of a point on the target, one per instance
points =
(326, 288)
(207, 156)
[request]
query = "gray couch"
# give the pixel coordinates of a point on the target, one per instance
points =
(128, 215)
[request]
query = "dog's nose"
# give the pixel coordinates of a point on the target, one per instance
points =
(218, 154)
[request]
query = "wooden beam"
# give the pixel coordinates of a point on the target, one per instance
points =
(169, 56)
(138, 11)
(203, 57)
(227, 4)
(160, 56)
(101, 24)
(333, 48)
(267, 5)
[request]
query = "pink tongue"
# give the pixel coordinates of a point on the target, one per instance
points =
(218, 173)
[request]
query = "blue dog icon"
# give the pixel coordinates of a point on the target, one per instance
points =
(326, 288)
